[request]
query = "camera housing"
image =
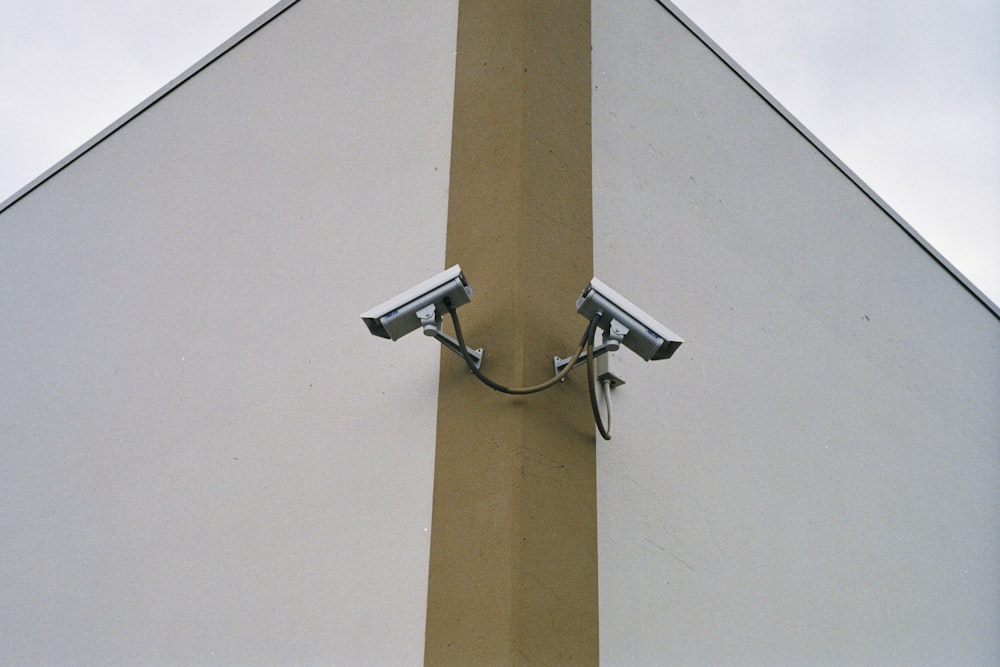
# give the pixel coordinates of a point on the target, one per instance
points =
(623, 321)
(398, 316)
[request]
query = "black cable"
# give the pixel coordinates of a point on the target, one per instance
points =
(588, 335)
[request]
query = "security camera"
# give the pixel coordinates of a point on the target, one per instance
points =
(423, 306)
(624, 322)
(398, 316)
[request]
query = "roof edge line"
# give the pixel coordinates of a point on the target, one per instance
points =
(720, 53)
(145, 104)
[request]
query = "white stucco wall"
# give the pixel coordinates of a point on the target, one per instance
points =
(813, 478)
(205, 457)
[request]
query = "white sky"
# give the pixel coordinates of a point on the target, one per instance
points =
(905, 92)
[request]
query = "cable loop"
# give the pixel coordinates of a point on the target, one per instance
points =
(586, 343)
(588, 335)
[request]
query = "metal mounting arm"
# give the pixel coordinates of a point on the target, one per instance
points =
(431, 322)
(612, 341)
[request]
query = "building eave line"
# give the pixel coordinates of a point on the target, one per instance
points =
(150, 101)
(693, 28)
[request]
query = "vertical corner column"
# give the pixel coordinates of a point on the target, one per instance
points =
(513, 562)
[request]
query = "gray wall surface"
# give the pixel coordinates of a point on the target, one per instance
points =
(205, 458)
(814, 478)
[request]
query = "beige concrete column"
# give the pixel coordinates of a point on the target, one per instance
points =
(513, 563)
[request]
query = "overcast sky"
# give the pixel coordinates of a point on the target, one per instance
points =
(905, 92)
